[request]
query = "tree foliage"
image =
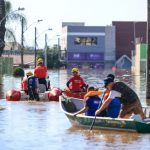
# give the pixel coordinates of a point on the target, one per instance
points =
(18, 72)
(53, 59)
(8, 16)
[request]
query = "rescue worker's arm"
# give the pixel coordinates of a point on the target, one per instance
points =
(93, 93)
(67, 84)
(104, 106)
(83, 85)
(69, 81)
(83, 110)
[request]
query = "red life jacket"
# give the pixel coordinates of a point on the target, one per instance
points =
(40, 72)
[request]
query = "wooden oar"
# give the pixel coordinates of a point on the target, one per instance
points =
(95, 115)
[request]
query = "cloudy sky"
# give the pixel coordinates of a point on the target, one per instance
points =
(92, 12)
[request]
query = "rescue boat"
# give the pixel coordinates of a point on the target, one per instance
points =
(69, 93)
(19, 95)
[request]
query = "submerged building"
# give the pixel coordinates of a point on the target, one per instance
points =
(102, 46)
(88, 45)
(140, 59)
(128, 34)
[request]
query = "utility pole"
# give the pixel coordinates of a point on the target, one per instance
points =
(45, 52)
(148, 54)
(35, 52)
(22, 46)
(59, 49)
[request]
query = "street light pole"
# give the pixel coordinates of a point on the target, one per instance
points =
(35, 52)
(22, 39)
(59, 49)
(22, 46)
(45, 52)
(39, 20)
(19, 9)
(49, 29)
(58, 42)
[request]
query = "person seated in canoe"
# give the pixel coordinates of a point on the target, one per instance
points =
(91, 103)
(41, 72)
(128, 98)
(32, 84)
(114, 107)
(76, 82)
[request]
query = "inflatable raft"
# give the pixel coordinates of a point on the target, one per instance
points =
(69, 93)
(18, 95)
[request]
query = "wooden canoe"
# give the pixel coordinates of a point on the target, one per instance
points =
(70, 105)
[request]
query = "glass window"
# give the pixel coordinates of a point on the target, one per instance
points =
(88, 41)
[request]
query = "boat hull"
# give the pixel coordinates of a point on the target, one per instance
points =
(103, 123)
(143, 127)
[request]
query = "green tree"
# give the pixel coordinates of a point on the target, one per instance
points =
(6, 17)
(53, 60)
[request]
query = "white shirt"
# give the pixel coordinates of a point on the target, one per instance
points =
(114, 94)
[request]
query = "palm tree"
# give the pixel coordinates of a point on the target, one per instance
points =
(2, 27)
(7, 33)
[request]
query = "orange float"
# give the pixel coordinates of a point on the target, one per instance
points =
(13, 95)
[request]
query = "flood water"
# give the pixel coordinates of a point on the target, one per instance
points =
(42, 125)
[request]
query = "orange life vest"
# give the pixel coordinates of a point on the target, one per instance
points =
(92, 93)
(24, 84)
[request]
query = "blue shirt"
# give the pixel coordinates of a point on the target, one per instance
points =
(93, 103)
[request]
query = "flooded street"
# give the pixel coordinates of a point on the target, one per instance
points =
(42, 125)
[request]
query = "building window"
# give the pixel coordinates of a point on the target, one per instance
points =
(86, 41)
(95, 56)
(86, 56)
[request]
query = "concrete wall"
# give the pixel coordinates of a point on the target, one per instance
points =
(17, 58)
(126, 31)
(139, 64)
(110, 46)
(6, 65)
(137, 60)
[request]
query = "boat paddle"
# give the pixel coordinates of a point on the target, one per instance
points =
(95, 115)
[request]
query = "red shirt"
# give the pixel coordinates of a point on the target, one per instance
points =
(75, 83)
(40, 72)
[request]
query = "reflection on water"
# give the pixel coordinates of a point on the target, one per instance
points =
(42, 125)
(106, 138)
(1, 86)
